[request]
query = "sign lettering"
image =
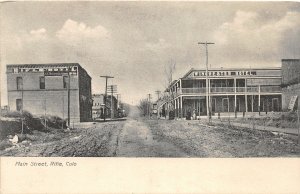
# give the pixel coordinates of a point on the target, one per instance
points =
(223, 73)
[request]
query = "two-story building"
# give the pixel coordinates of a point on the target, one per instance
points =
(99, 104)
(42, 89)
(228, 90)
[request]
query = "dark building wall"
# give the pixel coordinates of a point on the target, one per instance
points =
(290, 81)
(290, 71)
(85, 95)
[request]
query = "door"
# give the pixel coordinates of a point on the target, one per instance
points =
(202, 107)
(19, 104)
(213, 105)
(225, 104)
(237, 104)
(275, 104)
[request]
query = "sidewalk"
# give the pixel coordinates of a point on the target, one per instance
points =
(110, 120)
(259, 127)
(216, 120)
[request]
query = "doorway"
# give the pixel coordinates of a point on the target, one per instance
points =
(275, 104)
(225, 105)
(19, 104)
(213, 105)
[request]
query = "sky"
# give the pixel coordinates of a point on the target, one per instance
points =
(136, 41)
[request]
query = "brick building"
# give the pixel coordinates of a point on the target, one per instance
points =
(290, 81)
(42, 89)
(230, 90)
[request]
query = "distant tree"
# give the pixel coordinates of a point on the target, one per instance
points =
(144, 107)
(170, 93)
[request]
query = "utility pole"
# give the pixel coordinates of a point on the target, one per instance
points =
(119, 106)
(208, 112)
(69, 85)
(298, 123)
(45, 113)
(112, 89)
(157, 105)
(111, 103)
(22, 110)
(158, 93)
(149, 98)
(106, 78)
(63, 111)
(118, 98)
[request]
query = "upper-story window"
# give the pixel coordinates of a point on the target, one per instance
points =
(42, 82)
(19, 83)
(65, 81)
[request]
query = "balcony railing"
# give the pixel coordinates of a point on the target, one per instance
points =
(220, 90)
(252, 89)
(270, 89)
(240, 89)
(193, 90)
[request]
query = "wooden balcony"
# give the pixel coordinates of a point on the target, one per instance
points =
(229, 90)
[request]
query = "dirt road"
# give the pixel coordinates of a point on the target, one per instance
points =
(142, 137)
(98, 139)
(136, 140)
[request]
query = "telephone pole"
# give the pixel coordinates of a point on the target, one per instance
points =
(157, 105)
(69, 85)
(118, 99)
(111, 103)
(106, 78)
(208, 112)
(158, 93)
(149, 98)
(112, 89)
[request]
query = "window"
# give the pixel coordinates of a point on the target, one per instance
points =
(65, 81)
(19, 83)
(19, 104)
(42, 82)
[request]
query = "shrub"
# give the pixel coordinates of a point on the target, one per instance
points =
(289, 116)
(54, 122)
(10, 128)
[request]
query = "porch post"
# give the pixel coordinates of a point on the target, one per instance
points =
(234, 94)
(234, 97)
(246, 103)
(175, 111)
(181, 111)
(259, 99)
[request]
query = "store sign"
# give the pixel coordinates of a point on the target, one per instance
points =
(51, 71)
(54, 73)
(222, 73)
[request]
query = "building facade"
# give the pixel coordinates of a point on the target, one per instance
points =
(290, 82)
(42, 89)
(228, 90)
(99, 104)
